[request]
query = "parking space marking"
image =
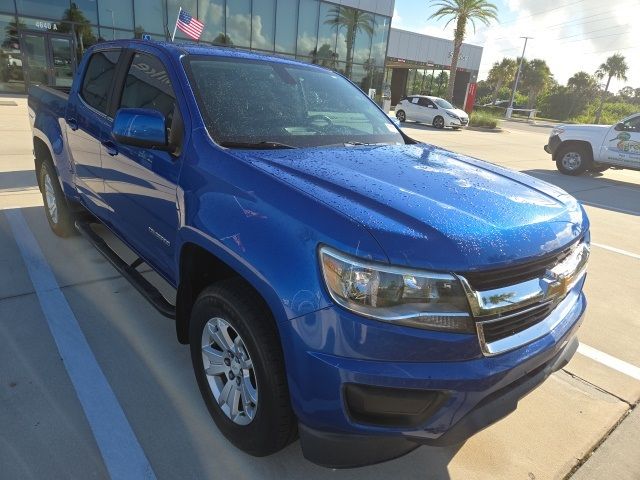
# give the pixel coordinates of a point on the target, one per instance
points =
(611, 362)
(122, 454)
(616, 250)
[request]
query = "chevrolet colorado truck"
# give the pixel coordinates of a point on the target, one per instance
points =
(335, 280)
(578, 148)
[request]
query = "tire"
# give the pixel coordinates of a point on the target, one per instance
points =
(400, 115)
(573, 159)
(259, 419)
(56, 208)
(438, 122)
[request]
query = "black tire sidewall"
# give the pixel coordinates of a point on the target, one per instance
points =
(435, 122)
(404, 116)
(259, 437)
(64, 227)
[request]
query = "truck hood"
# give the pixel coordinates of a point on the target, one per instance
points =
(431, 208)
(586, 128)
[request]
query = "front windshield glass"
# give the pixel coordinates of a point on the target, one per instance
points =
(247, 102)
(442, 103)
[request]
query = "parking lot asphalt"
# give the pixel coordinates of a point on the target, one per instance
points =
(580, 423)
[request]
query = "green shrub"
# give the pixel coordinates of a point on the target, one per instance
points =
(483, 119)
(612, 113)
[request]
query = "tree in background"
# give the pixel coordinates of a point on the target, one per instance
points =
(81, 25)
(500, 74)
(536, 76)
(462, 12)
(583, 88)
(353, 21)
(615, 67)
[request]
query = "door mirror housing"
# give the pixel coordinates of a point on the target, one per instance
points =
(620, 127)
(140, 127)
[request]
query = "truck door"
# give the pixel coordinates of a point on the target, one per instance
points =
(88, 124)
(622, 143)
(140, 183)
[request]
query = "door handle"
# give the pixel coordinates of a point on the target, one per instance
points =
(73, 123)
(110, 147)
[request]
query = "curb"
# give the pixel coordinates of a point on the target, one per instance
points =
(486, 129)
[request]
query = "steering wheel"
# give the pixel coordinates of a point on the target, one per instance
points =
(314, 119)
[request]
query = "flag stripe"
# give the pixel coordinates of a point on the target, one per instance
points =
(189, 25)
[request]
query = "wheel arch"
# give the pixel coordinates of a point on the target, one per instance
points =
(200, 266)
(569, 143)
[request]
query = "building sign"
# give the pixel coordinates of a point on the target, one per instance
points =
(44, 25)
(461, 57)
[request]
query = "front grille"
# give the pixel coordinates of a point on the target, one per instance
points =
(512, 275)
(513, 323)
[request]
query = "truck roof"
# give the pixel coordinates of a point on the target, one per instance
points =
(181, 48)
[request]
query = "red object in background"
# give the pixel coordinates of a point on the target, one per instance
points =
(472, 90)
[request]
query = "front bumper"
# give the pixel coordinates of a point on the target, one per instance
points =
(330, 349)
(452, 122)
(552, 146)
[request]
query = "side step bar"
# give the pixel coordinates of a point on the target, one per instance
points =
(148, 291)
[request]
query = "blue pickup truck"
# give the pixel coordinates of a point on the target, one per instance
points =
(336, 280)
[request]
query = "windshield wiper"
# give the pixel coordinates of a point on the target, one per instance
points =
(264, 145)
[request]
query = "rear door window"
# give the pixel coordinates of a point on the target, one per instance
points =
(98, 79)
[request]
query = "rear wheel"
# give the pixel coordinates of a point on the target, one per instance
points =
(56, 208)
(438, 122)
(400, 115)
(239, 366)
(573, 159)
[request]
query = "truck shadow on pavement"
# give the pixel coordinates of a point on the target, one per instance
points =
(596, 190)
(18, 180)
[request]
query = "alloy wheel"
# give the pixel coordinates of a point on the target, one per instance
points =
(571, 161)
(229, 370)
(50, 195)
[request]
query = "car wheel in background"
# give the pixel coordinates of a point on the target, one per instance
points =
(400, 115)
(239, 366)
(56, 208)
(573, 159)
(438, 122)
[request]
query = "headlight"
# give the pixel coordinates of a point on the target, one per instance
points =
(557, 131)
(453, 115)
(401, 296)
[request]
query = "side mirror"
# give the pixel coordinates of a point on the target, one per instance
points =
(140, 127)
(620, 127)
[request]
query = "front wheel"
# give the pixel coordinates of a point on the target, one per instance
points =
(56, 208)
(438, 122)
(239, 366)
(573, 159)
(400, 115)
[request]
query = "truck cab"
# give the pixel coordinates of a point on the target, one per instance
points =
(578, 148)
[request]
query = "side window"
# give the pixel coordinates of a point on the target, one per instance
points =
(424, 102)
(148, 86)
(414, 99)
(633, 124)
(98, 79)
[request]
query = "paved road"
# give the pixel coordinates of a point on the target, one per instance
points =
(44, 432)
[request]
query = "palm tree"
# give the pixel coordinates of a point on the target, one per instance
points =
(84, 34)
(536, 77)
(615, 66)
(353, 21)
(462, 11)
(500, 73)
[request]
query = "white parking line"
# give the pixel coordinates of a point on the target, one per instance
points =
(611, 362)
(616, 250)
(122, 454)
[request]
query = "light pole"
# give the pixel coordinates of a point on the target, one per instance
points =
(113, 24)
(515, 85)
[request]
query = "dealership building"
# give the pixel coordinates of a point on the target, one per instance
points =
(41, 41)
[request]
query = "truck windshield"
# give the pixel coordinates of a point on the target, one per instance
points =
(248, 103)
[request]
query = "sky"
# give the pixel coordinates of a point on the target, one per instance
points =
(570, 35)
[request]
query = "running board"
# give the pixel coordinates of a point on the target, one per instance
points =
(148, 291)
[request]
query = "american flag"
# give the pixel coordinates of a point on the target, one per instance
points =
(189, 25)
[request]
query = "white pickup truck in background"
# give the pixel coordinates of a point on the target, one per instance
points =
(578, 148)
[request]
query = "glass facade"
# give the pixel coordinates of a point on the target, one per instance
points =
(348, 40)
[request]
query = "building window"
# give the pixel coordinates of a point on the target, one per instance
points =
(150, 16)
(49, 9)
(285, 27)
(263, 25)
(211, 13)
(115, 15)
(380, 39)
(239, 22)
(307, 28)
(325, 53)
